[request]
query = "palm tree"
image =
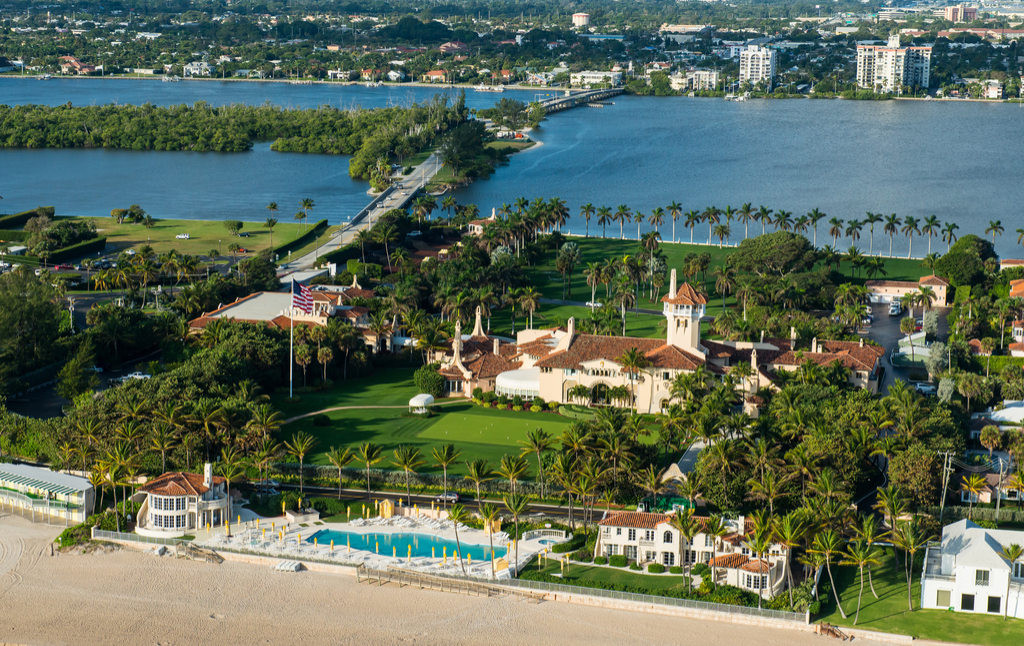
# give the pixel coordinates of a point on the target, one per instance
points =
(745, 214)
(444, 456)
(712, 215)
(633, 361)
(307, 204)
(301, 444)
(725, 281)
(386, 233)
(835, 230)
(862, 555)
(783, 220)
(163, 440)
(340, 458)
(478, 472)
(517, 504)
(684, 523)
(764, 216)
(910, 538)
(489, 513)
(1012, 553)
(692, 220)
(722, 232)
(458, 515)
(973, 486)
(949, 234)
(538, 441)
(529, 301)
(790, 532)
(910, 227)
(270, 223)
(408, 459)
(604, 216)
(930, 227)
(587, 212)
(656, 219)
(675, 209)
(623, 215)
(369, 454)
(716, 527)
(827, 544)
(871, 219)
(231, 466)
(995, 227)
(512, 467)
(891, 228)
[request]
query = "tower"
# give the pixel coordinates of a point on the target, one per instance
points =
(684, 308)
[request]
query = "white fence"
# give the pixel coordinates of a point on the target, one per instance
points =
(99, 534)
(551, 533)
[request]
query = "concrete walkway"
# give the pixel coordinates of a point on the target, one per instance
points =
(328, 410)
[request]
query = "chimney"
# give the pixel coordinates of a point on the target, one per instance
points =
(672, 285)
(792, 337)
(814, 345)
(478, 328)
(457, 341)
(208, 475)
(497, 346)
(862, 342)
(762, 336)
(571, 327)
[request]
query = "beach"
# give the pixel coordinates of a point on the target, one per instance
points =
(132, 597)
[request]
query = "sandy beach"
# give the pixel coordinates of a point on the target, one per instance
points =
(131, 597)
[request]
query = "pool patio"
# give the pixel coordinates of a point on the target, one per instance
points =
(273, 537)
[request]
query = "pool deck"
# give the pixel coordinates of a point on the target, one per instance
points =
(273, 537)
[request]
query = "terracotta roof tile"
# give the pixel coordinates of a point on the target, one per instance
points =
(905, 284)
(179, 484)
(731, 561)
(757, 565)
(637, 519)
(671, 357)
(934, 280)
(589, 347)
(685, 295)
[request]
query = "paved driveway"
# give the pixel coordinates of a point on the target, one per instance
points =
(885, 331)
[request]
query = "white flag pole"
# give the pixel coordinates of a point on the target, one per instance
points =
(291, 345)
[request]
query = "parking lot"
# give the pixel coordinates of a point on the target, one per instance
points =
(885, 331)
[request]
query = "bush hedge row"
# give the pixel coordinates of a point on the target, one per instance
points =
(302, 240)
(9, 235)
(954, 513)
(724, 594)
(18, 220)
(79, 250)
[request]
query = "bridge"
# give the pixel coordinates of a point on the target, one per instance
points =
(559, 103)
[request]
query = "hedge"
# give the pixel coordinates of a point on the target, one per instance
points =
(18, 220)
(600, 560)
(303, 240)
(725, 594)
(344, 254)
(9, 235)
(617, 560)
(656, 568)
(78, 250)
(954, 513)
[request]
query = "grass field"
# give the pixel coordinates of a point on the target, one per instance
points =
(889, 613)
(644, 325)
(596, 249)
(386, 387)
(204, 235)
(623, 576)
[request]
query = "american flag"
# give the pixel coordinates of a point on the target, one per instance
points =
(302, 298)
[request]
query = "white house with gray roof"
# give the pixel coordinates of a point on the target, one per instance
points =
(966, 573)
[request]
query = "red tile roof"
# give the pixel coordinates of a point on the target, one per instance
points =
(637, 519)
(903, 284)
(590, 347)
(686, 295)
(179, 484)
(731, 561)
(757, 565)
(934, 280)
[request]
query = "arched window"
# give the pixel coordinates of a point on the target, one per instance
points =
(667, 537)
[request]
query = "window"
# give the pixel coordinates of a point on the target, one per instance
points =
(942, 599)
(631, 552)
(709, 541)
(668, 559)
(995, 604)
(609, 550)
(155, 502)
(666, 537)
(650, 555)
(666, 376)
(745, 551)
(981, 578)
(632, 534)
(1018, 570)
(967, 602)
(649, 535)
(607, 531)
(618, 531)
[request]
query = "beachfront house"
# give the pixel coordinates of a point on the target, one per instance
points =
(197, 68)
(176, 504)
(887, 291)
(45, 496)
(647, 538)
(967, 573)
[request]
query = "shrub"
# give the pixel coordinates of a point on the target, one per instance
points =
(535, 409)
(478, 392)
(517, 401)
(635, 567)
(583, 556)
(701, 569)
(676, 569)
(486, 404)
(656, 568)
(617, 560)
(321, 420)
(571, 545)
(429, 381)
(517, 408)
(553, 405)
(600, 560)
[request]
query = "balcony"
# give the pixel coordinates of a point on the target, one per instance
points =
(649, 544)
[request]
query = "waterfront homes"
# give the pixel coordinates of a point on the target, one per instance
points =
(887, 291)
(197, 68)
(560, 365)
(889, 67)
(614, 79)
(177, 503)
(70, 64)
(650, 538)
(966, 572)
(758, 64)
(46, 495)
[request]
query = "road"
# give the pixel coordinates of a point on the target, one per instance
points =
(885, 331)
(411, 183)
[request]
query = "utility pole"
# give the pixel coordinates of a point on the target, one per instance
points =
(946, 469)
(999, 486)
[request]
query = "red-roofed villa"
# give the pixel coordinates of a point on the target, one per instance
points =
(177, 503)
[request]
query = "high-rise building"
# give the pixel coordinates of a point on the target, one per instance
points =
(580, 19)
(886, 68)
(960, 13)
(758, 64)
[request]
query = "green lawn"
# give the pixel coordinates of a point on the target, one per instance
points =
(386, 387)
(889, 613)
(624, 576)
(596, 249)
(643, 325)
(204, 235)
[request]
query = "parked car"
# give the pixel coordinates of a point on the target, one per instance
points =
(95, 369)
(450, 497)
(182, 236)
(928, 390)
(130, 252)
(243, 250)
(895, 309)
(137, 375)
(595, 304)
(244, 234)
(62, 267)
(270, 482)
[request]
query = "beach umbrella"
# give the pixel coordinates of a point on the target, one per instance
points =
(332, 546)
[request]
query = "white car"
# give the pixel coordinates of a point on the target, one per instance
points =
(130, 252)
(594, 304)
(182, 236)
(138, 375)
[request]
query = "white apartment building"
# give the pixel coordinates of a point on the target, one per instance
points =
(758, 64)
(695, 80)
(966, 573)
(889, 67)
(649, 538)
(596, 78)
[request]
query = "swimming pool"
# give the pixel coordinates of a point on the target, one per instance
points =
(422, 544)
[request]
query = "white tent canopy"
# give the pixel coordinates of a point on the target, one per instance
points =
(419, 403)
(524, 382)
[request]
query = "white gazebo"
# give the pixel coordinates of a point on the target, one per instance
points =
(419, 403)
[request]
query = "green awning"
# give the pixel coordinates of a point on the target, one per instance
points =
(25, 481)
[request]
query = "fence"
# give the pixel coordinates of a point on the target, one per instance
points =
(99, 534)
(537, 533)
(781, 615)
(48, 510)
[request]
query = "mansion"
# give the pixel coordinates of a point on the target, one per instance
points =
(552, 363)
(176, 504)
(650, 538)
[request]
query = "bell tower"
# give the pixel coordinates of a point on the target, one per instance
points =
(684, 308)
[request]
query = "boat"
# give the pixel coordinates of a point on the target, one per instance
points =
(45, 77)
(377, 84)
(489, 88)
(306, 82)
(170, 79)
